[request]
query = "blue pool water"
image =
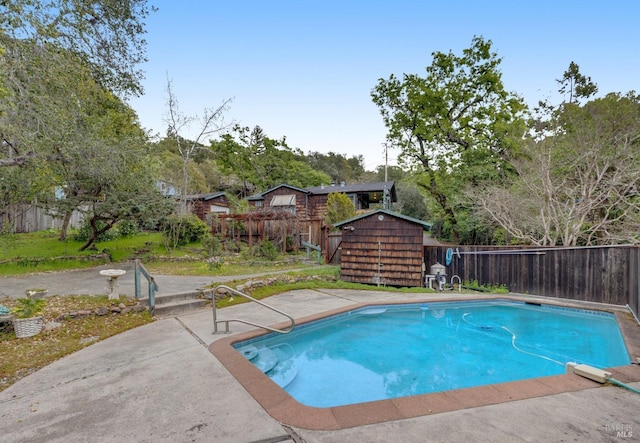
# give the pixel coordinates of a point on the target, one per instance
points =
(392, 351)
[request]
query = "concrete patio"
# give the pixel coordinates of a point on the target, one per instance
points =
(161, 383)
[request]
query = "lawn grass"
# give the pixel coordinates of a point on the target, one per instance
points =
(43, 251)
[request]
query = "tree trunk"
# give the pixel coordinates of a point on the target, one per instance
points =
(65, 225)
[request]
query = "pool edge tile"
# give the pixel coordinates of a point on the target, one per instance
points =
(426, 404)
(349, 416)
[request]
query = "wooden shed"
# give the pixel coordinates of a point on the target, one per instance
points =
(204, 204)
(383, 248)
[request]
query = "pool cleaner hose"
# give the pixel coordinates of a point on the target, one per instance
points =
(598, 375)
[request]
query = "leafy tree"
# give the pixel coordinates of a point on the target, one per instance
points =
(575, 84)
(104, 170)
(411, 200)
(260, 162)
(339, 207)
(58, 60)
(106, 35)
(456, 127)
(338, 166)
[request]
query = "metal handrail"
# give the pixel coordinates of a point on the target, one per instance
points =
(248, 297)
(153, 286)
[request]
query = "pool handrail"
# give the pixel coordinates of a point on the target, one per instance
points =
(248, 297)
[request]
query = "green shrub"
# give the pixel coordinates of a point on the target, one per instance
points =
(84, 232)
(127, 228)
(212, 245)
(291, 243)
(268, 250)
(182, 229)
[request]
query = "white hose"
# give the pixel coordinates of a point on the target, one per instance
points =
(513, 343)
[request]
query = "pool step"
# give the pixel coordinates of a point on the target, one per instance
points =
(177, 303)
(281, 369)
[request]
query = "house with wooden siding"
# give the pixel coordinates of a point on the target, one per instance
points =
(384, 248)
(203, 204)
(312, 202)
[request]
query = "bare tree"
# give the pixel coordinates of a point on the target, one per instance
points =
(578, 184)
(209, 123)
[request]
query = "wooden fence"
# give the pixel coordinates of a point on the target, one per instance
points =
(31, 218)
(605, 274)
(276, 226)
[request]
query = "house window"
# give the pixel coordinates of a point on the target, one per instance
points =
(284, 202)
(354, 200)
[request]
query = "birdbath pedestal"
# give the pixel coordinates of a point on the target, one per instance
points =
(112, 280)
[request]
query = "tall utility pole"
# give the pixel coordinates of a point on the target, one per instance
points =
(386, 160)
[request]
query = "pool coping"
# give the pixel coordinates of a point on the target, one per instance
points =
(284, 408)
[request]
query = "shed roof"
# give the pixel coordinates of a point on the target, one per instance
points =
(425, 225)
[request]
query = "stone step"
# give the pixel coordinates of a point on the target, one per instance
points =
(162, 299)
(175, 304)
(179, 307)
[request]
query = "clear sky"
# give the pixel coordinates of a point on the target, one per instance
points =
(305, 69)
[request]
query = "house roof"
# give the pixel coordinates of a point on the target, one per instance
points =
(347, 189)
(261, 195)
(425, 225)
(356, 188)
(205, 197)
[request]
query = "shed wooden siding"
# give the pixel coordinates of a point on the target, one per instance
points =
(401, 251)
(607, 274)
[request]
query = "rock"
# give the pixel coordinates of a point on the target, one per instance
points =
(115, 309)
(86, 340)
(51, 325)
(122, 306)
(102, 311)
(126, 310)
(138, 308)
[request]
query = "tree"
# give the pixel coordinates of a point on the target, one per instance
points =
(578, 181)
(52, 56)
(339, 207)
(338, 166)
(104, 171)
(456, 127)
(106, 35)
(210, 123)
(575, 84)
(260, 162)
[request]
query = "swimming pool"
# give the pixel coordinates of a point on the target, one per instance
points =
(392, 351)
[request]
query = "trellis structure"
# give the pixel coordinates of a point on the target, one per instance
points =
(276, 226)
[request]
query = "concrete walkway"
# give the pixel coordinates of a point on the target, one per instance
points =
(160, 383)
(90, 282)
